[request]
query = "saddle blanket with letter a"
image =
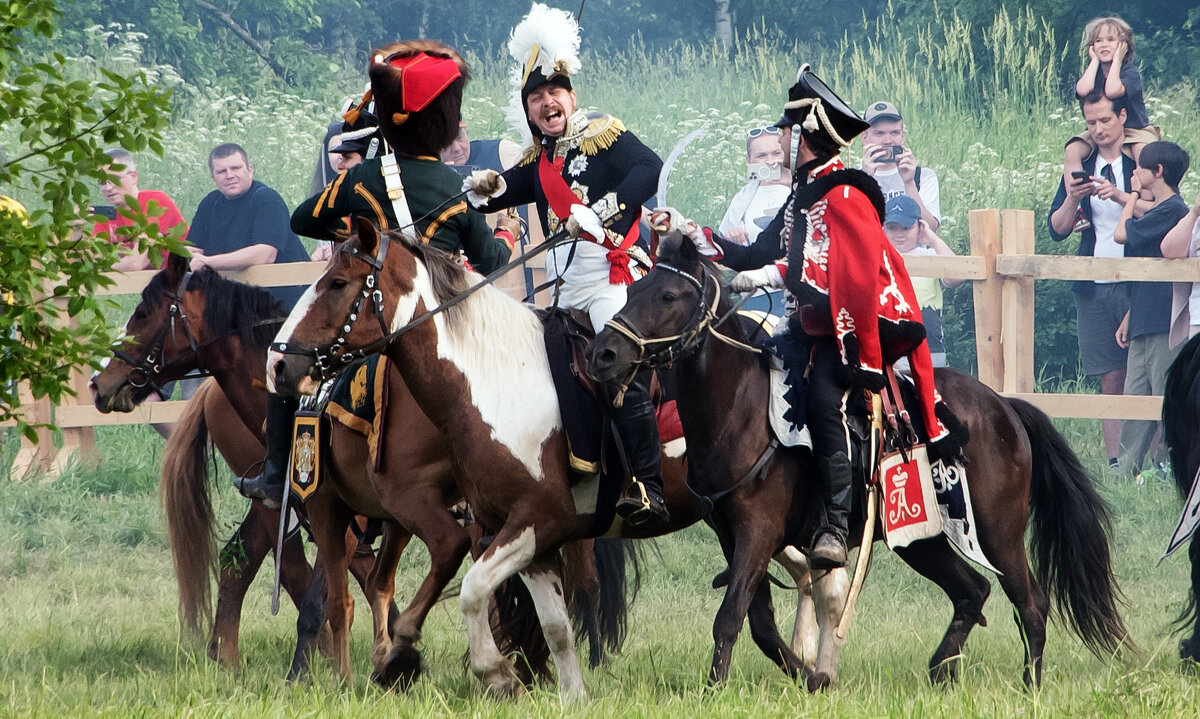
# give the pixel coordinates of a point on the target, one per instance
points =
(358, 400)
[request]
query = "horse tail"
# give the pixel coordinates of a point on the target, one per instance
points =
(614, 559)
(189, 511)
(1181, 412)
(1071, 525)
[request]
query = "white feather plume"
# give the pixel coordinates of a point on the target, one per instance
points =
(556, 35)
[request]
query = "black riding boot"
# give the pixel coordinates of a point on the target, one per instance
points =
(268, 486)
(642, 505)
(837, 489)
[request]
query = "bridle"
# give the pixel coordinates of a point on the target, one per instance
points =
(330, 359)
(704, 319)
(146, 370)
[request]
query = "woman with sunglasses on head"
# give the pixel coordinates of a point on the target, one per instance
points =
(769, 183)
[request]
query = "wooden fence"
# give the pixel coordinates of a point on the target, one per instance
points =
(1002, 266)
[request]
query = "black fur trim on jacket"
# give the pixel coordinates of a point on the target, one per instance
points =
(808, 195)
(853, 373)
(949, 448)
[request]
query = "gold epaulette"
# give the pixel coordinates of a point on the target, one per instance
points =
(600, 134)
(530, 154)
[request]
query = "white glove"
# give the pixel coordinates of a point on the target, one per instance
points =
(482, 185)
(750, 280)
(584, 219)
(670, 223)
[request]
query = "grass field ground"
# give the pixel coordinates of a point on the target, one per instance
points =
(87, 620)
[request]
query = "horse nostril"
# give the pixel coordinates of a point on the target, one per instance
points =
(603, 359)
(279, 368)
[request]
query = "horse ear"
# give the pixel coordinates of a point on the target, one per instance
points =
(687, 250)
(176, 267)
(368, 235)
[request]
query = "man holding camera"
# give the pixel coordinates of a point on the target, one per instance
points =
(891, 163)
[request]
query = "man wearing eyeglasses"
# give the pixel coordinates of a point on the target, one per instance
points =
(768, 186)
(122, 186)
(1100, 192)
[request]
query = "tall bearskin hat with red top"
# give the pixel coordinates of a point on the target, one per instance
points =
(545, 46)
(418, 87)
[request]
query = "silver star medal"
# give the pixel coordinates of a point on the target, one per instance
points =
(578, 166)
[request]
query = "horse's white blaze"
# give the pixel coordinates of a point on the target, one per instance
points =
(498, 345)
(546, 590)
(284, 335)
(477, 586)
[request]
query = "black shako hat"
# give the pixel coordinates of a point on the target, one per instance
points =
(819, 111)
(358, 136)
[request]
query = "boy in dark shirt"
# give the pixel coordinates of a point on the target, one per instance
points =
(1145, 328)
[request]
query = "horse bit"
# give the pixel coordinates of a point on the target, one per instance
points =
(152, 364)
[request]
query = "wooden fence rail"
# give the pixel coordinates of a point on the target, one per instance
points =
(1002, 266)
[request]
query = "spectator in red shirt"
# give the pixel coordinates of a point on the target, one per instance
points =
(158, 206)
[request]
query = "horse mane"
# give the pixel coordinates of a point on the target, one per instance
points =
(229, 306)
(1181, 407)
(486, 311)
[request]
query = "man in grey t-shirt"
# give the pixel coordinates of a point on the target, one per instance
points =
(891, 162)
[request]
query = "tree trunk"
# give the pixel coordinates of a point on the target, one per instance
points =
(724, 23)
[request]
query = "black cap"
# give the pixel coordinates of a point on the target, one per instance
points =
(357, 135)
(828, 116)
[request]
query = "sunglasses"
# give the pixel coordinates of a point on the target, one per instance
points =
(756, 131)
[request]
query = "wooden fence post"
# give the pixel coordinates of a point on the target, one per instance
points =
(34, 458)
(984, 228)
(1017, 238)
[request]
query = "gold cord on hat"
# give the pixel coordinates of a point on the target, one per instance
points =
(816, 109)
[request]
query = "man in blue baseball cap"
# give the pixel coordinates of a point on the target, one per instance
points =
(910, 234)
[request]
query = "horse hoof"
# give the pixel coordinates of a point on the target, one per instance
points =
(819, 682)
(945, 671)
(502, 682)
(400, 669)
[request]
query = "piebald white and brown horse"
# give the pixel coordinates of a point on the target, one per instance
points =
(480, 373)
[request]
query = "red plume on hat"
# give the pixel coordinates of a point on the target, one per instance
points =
(417, 86)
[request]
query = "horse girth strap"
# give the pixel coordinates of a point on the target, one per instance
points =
(757, 471)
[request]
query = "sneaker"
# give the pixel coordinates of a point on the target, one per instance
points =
(1113, 464)
(1081, 223)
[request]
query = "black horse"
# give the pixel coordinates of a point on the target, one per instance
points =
(1181, 417)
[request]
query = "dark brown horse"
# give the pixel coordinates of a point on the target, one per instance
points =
(479, 371)
(1181, 417)
(1020, 471)
(225, 326)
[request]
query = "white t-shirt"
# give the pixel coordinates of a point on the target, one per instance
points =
(1105, 213)
(893, 186)
(753, 208)
(1194, 299)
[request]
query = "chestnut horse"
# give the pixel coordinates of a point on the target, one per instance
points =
(1020, 470)
(225, 326)
(480, 372)
(1181, 417)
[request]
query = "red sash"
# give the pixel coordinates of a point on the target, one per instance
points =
(560, 198)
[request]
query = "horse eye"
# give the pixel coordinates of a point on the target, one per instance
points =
(668, 297)
(338, 284)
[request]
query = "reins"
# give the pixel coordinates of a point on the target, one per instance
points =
(152, 366)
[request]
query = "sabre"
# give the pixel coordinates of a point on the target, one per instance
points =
(864, 548)
(283, 522)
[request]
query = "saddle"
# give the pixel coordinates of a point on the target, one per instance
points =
(597, 474)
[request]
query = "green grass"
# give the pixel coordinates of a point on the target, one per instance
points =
(87, 616)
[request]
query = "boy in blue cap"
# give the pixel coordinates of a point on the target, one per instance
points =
(911, 235)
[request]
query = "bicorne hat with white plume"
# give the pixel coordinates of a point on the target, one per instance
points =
(545, 46)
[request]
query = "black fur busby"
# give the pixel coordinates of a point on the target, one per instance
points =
(418, 87)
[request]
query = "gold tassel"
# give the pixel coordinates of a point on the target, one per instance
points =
(351, 115)
(399, 118)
